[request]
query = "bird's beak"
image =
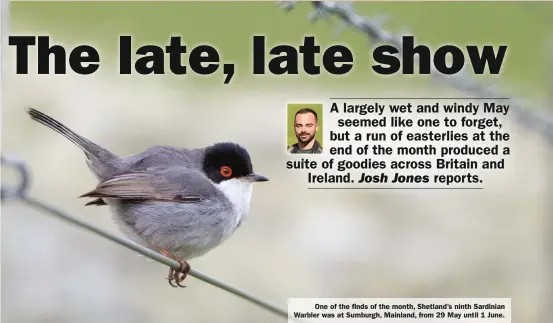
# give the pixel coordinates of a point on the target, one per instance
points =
(256, 178)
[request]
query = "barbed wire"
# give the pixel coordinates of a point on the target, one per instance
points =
(20, 193)
(536, 119)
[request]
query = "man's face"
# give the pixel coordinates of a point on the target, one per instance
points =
(306, 127)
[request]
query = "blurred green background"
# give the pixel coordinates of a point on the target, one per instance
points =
(296, 242)
(292, 109)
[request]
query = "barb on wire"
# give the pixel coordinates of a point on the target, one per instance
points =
(537, 119)
(20, 193)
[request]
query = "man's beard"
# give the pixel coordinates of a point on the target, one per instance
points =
(306, 141)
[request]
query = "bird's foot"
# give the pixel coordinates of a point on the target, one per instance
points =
(176, 276)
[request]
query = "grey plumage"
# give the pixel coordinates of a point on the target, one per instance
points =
(170, 208)
(166, 197)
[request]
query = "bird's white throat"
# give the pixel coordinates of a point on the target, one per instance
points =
(239, 192)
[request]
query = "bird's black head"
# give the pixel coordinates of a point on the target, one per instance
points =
(224, 161)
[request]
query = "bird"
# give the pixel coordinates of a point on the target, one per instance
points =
(180, 202)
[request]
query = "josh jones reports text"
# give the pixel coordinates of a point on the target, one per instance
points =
(403, 141)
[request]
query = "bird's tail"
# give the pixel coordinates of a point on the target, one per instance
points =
(91, 150)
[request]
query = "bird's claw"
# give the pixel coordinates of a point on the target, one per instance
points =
(176, 277)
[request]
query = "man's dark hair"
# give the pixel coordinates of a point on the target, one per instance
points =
(306, 110)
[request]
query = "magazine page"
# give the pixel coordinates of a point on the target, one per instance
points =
(262, 161)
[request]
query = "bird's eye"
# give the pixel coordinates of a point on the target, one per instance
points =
(226, 171)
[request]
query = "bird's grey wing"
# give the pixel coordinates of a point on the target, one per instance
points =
(162, 156)
(172, 184)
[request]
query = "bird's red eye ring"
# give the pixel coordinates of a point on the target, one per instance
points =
(226, 171)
